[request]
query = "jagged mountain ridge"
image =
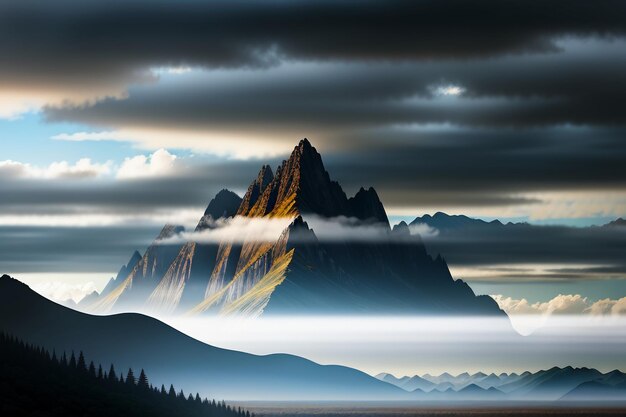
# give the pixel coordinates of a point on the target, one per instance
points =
(300, 273)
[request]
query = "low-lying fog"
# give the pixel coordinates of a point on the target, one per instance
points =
(419, 345)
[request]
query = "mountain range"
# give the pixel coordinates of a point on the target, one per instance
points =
(298, 271)
(554, 384)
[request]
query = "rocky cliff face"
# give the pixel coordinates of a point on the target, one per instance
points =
(184, 283)
(131, 290)
(301, 273)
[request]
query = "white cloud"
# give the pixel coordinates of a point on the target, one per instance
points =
(83, 168)
(423, 230)
(89, 136)
(237, 229)
(159, 164)
(187, 216)
(61, 291)
(526, 318)
(608, 307)
(180, 70)
(237, 145)
(512, 306)
(240, 229)
(450, 90)
(562, 304)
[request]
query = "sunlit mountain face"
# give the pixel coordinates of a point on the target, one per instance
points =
(404, 202)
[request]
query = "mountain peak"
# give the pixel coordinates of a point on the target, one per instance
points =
(12, 288)
(256, 189)
(305, 144)
(301, 185)
(136, 257)
(224, 204)
(366, 205)
(619, 222)
(401, 229)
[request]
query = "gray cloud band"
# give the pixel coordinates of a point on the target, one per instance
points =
(125, 35)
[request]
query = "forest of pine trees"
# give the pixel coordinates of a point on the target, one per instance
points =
(35, 382)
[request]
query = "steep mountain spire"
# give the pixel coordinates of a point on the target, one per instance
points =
(256, 189)
(302, 185)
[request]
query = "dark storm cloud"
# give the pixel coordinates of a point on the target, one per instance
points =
(75, 40)
(579, 85)
(359, 79)
(482, 167)
(598, 250)
(70, 249)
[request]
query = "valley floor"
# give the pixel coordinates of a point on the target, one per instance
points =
(267, 409)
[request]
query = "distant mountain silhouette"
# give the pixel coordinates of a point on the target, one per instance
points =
(468, 242)
(442, 221)
(36, 382)
(616, 223)
(597, 391)
(168, 356)
(299, 273)
(554, 384)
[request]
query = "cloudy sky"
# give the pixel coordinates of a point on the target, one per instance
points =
(119, 116)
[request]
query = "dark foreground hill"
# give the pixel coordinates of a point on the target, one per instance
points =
(168, 356)
(35, 382)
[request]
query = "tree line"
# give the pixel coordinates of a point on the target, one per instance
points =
(37, 382)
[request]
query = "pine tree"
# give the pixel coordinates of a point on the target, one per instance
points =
(92, 369)
(112, 375)
(81, 362)
(100, 374)
(172, 392)
(130, 377)
(163, 392)
(72, 361)
(143, 380)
